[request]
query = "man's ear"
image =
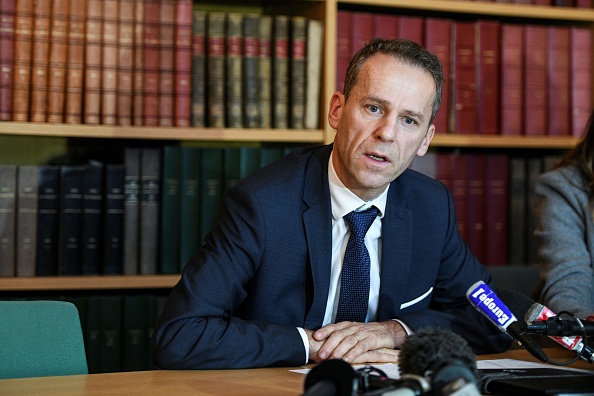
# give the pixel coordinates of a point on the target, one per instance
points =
(335, 110)
(426, 141)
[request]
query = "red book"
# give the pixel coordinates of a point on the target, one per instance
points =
(75, 63)
(438, 40)
(151, 47)
(92, 83)
(512, 79)
(443, 169)
(343, 46)
(458, 187)
(535, 83)
(58, 56)
(109, 69)
(6, 58)
(583, 3)
(475, 205)
(558, 84)
(497, 209)
(125, 61)
(183, 64)
(23, 29)
(464, 76)
(385, 25)
(488, 35)
(166, 62)
(361, 30)
(40, 59)
(411, 27)
(581, 78)
(138, 71)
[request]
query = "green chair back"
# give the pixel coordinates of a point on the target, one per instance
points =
(40, 338)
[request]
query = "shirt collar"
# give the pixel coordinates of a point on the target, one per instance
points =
(345, 201)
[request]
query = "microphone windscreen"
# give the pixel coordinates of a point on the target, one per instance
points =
(339, 372)
(430, 346)
(518, 303)
(533, 314)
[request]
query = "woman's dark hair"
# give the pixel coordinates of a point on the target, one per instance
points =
(404, 50)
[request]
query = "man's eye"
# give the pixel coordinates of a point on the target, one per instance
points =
(409, 121)
(373, 108)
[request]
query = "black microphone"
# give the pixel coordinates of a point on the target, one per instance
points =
(333, 377)
(444, 357)
(554, 325)
(489, 304)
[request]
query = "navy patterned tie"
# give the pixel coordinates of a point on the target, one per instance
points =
(354, 286)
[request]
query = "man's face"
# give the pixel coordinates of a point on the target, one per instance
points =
(382, 126)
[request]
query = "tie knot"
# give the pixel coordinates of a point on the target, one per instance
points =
(359, 222)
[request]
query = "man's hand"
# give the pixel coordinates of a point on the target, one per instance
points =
(356, 342)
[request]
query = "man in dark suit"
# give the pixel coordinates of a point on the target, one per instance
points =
(265, 288)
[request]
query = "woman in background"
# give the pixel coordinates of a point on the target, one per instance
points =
(565, 230)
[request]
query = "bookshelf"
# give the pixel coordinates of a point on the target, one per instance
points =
(326, 11)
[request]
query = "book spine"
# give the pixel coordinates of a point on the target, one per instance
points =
(265, 72)
(92, 213)
(131, 210)
(40, 58)
(22, 60)
(8, 211)
(251, 105)
(76, 62)
(386, 25)
(151, 48)
(138, 73)
(71, 219)
(535, 82)
(125, 62)
(183, 64)
(488, 59)
(26, 226)
(465, 98)
(166, 62)
(343, 46)
(297, 71)
(280, 72)
(189, 198)
(134, 335)
(110, 340)
(438, 40)
(518, 187)
(234, 70)
(58, 56)
(113, 237)
(512, 79)
(581, 79)
(109, 69)
(475, 205)
(48, 220)
(411, 27)
(313, 87)
(150, 178)
(558, 81)
(211, 179)
(497, 212)
(215, 87)
(93, 61)
(198, 68)
(7, 42)
(170, 211)
(361, 30)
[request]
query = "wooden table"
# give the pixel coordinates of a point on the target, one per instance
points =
(256, 382)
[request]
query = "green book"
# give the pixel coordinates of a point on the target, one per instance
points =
(189, 195)
(170, 211)
(249, 159)
(110, 343)
(211, 182)
(232, 167)
(134, 332)
(92, 333)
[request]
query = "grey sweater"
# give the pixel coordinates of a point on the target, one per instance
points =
(565, 235)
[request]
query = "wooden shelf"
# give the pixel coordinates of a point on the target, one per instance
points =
(162, 133)
(91, 282)
(499, 141)
(511, 10)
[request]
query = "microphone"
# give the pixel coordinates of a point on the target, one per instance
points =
(333, 377)
(486, 301)
(542, 320)
(442, 356)
(538, 315)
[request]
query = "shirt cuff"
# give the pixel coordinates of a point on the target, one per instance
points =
(305, 343)
(406, 328)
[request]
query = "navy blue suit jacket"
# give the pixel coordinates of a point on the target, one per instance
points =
(265, 269)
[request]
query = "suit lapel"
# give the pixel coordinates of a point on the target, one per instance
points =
(317, 220)
(396, 253)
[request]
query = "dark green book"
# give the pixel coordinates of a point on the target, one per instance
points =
(92, 219)
(234, 70)
(113, 230)
(251, 63)
(249, 158)
(297, 71)
(131, 209)
(110, 343)
(134, 332)
(170, 211)
(47, 220)
(232, 167)
(189, 197)
(198, 68)
(280, 72)
(211, 183)
(270, 154)
(92, 333)
(150, 182)
(71, 219)
(8, 200)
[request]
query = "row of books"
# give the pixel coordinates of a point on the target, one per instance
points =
(157, 63)
(501, 77)
(124, 218)
(493, 199)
